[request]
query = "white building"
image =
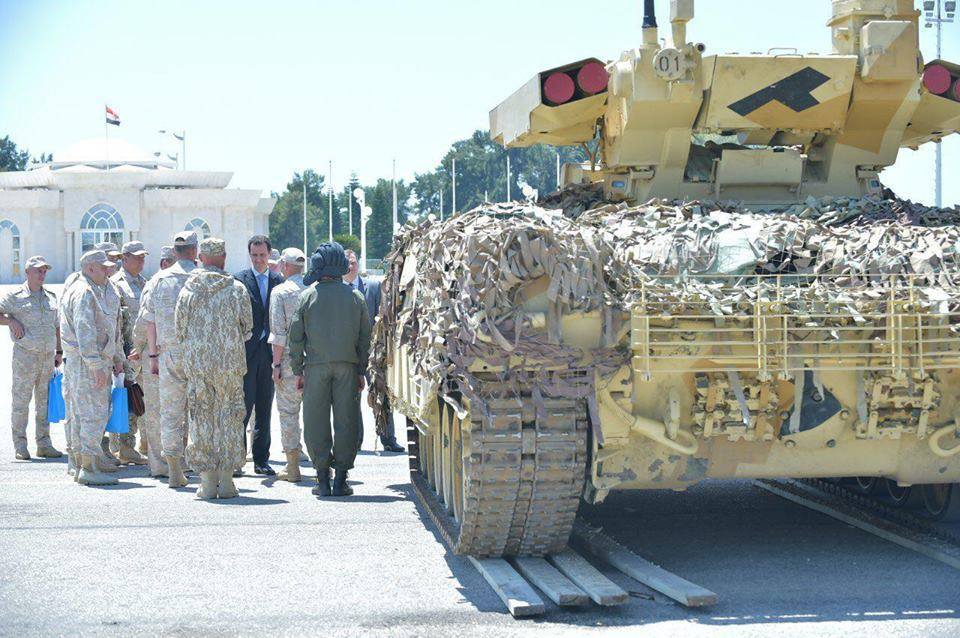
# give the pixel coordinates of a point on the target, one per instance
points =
(92, 192)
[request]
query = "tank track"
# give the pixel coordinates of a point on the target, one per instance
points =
(903, 517)
(523, 475)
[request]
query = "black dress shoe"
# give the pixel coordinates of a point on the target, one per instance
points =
(393, 446)
(264, 470)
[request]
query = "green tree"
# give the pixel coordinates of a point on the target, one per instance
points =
(349, 242)
(286, 221)
(11, 158)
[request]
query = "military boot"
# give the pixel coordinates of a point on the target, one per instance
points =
(176, 477)
(48, 452)
(90, 475)
(292, 472)
(106, 465)
(323, 483)
(208, 485)
(340, 487)
(142, 448)
(128, 455)
(226, 487)
(72, 464)
(23, 454)
(105, 446)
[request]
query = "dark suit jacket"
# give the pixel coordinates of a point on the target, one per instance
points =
(371, 292)
(261, 313)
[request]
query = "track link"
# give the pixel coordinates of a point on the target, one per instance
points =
(523, 474)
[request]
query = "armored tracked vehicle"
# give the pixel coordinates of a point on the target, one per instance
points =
(724, 291)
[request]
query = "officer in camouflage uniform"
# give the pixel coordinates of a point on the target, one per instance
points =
(283, 305)
(163, 350)
(130, 283)
(31, 313)
(150, 423)
(329, 343)
(214, 319)
(90, 330)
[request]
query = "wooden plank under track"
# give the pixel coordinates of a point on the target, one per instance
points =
(551, 582)
(638, 568)
(513, 590)
(601, 589)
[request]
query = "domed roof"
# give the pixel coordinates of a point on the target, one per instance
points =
(98, 151)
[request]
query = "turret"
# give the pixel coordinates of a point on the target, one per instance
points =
(763, 129)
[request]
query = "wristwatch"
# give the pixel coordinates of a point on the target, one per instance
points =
(278, 365)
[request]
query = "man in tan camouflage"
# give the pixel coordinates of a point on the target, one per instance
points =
(283, 306)
(31, 313)
(90, 332)
(130, 283)
(163, 351)
(213, 322)
(150, 423)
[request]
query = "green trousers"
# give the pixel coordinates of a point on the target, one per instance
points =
(324, 386)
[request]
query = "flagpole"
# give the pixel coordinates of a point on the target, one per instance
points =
(304, 211)
(453, 171)
(394, 186)
(106, 136)
(183, 147)
(330, 199)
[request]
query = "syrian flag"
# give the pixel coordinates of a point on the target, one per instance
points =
(112, 117)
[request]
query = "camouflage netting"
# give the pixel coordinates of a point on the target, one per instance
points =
(460, 300)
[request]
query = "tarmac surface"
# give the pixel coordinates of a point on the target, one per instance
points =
(140, 558)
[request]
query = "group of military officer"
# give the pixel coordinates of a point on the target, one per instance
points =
(180, 338)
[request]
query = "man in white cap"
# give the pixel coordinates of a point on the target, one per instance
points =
(164, 353)
(130, 283)
(213, 322)
(284, 300)
(31, 313)
(92, 348)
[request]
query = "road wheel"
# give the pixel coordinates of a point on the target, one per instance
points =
(942, 501)
(902, 496)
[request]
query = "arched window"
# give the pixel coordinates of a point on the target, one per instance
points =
(199, 226)
(9, 252)
(99, 224)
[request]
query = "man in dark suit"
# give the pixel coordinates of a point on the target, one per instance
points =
(258, 382)
(370, 289)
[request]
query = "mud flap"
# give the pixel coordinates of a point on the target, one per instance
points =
(817, 406)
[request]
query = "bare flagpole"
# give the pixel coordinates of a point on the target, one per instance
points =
(305, 252)
(394, 185)
(330, 199)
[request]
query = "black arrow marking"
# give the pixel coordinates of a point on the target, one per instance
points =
(794, 92)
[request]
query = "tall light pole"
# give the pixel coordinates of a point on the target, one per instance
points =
(508, 178)
(453, 175)
(558, 170)
(937, 12)
(305, 251)
(330, 200)
(393, 184)
(441, 203)
(365, 211)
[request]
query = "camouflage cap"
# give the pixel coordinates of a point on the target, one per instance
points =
(293, 256)
(37, 262)
(95, 257)
(166, 252)
(108, 247)
(274, 255)
(134, 248)
(213, 247)
(185, 238)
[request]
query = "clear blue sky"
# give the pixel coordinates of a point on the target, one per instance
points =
(265, 88)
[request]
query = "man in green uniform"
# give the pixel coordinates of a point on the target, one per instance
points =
(329, 343)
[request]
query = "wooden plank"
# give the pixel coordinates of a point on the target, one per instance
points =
(922, 548)
(601, 589)
(667, 583)
(551, 582)
(513, 590)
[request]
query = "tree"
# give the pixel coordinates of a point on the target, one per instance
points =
(349, 242)
(286, 221)
(12, 159)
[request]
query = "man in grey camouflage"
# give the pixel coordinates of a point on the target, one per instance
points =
(115, 298)
(130, 284)
(90, 333)
(31, 313)
(213, 321)
(163, 350)
(283, 306)
(149, 424)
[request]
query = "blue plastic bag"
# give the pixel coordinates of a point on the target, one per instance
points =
(56, 408)
(119, 421)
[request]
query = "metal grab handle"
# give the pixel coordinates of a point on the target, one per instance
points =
(938, 449)
(654, 430)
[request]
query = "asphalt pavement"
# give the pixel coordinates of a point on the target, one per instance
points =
(143, 559)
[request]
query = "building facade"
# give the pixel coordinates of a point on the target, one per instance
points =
(97, 191)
